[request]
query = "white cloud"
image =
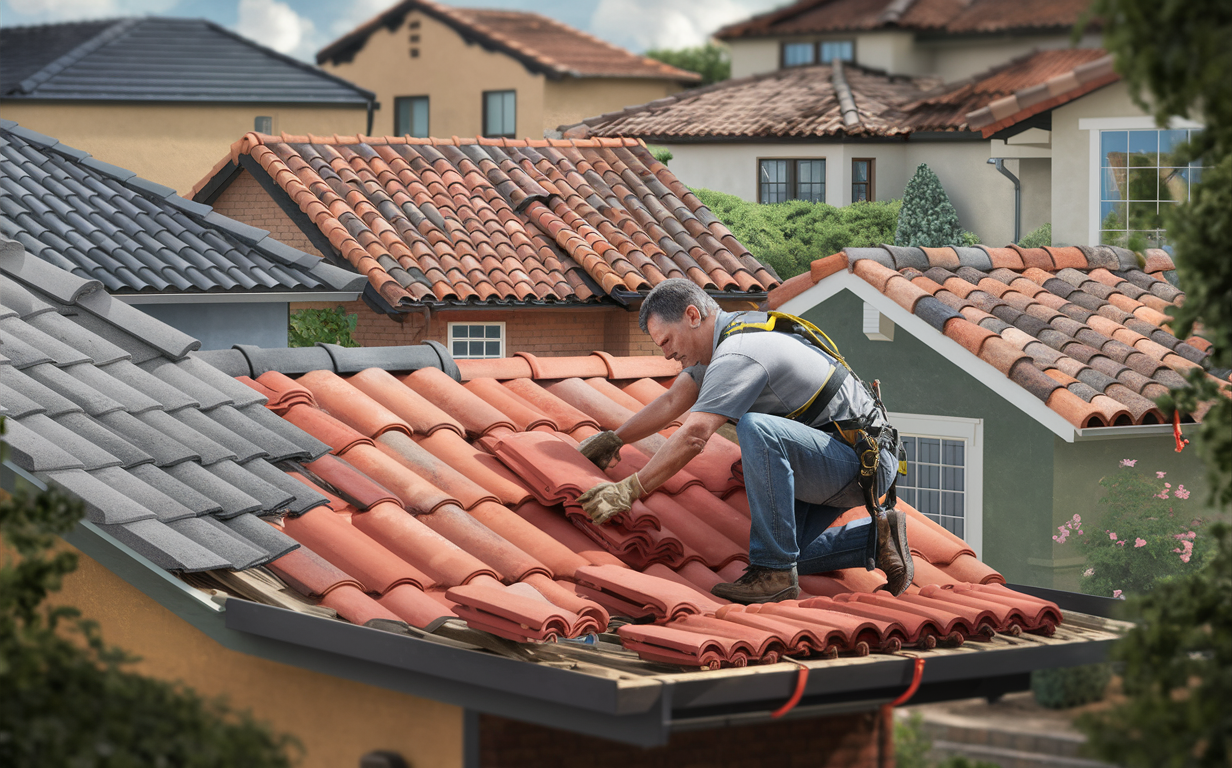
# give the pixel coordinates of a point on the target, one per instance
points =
(354, 13)
(51, 11)
(275, 24)
(643, 24)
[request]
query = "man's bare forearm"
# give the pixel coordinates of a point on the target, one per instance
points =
(661, 412)
(680, 449)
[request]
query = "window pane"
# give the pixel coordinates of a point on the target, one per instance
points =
(1112, 183)
(811, 180)
(930, 503)
(419, 118)
(930, 476)
(459, 349)
(1168, 142)
(1144, 147)
(1112, 148)
(911, 477)
(859, 170)
(491, 348)
(476, 349)
(909, 445)
(907, 495)
(492, 332)
(952, 452)
(1174, 184)
(1143, 184)
(500, 108)
(1112, 215)
(843, 50)
(476, 331)
(952, 479)
(773, 181)
(1144, 215)
(930, 450)
(796, 54)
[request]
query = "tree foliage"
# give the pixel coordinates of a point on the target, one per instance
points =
(711, 61)
(328, 326)
(790, 236)
(67, 699)
(927, 217)
(1038, 237)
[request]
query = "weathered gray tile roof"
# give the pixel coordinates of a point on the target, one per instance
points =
(160, 59)
(104, 223)
(171, 456)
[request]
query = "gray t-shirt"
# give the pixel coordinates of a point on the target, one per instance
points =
(774, 373)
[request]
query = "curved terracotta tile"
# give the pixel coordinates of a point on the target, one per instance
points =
(403, 534)
(338, 436)
(702, 578)
(413, 606)
(915, 629)
(559, 559)
(565, 415)
(765, 646)
(287, 393)
(1074, 409)
(945, 258)
(669, 645)
(553, 522)
(1157, 260)
(615, 394)
(421, 414)
(1006, 258)
(562, 597)
(482, 468)
(356, 607)
(516, 410)
(790, 289)
(1152, 316)
(464, 406)
(1000, 354)
(436, 471)
(822, 268)
(338, 398)
(967, 568)
(854, 629)
(873, 273)
(1038, 258)
(1067, 257)
(928, 574)
(976, 621)
(666, 599)
(800, 637)
(549, 464)
(645, 390)
(904, 292)
(359, 489)
(509, 613)
(1006, 614)
(929, 540)
(416, 494)
(715, 549)
(348, 548)
(310, 574)
(1039, 613)
(500, 368)
(603, 410)
(564, 367)
(258, 387)
(450, 521)
(638, 366)
(1111, 412)
(818, 585)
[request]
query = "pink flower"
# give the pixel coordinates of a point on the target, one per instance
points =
(1167, 485)
(1128, 462)
(1121, 543)
(1160, 475)
(1185, 557)
(1116, 593)
(1139, 543)
(1112, 535)
(1080, 533)
(1191, 535)
(1178, 535)
(1089, 572)
(1181, 493)
(1077, 518)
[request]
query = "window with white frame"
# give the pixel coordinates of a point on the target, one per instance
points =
(944, 479)
(1140, 176)
(477, 340)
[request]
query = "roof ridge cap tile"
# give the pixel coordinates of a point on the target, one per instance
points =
(59, 64)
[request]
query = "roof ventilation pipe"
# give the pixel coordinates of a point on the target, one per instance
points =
(842, 91)
(1000, 164)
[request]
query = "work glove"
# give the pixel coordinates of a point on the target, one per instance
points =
(602, 449)
(606, 500)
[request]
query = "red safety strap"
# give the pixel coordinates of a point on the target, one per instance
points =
(1181, 442)
(916, 675)
(801, 682)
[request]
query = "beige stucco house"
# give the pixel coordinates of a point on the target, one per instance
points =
(165, 97)
(444, 71)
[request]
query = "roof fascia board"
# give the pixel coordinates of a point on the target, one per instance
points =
(236, 298)
(939, 342)
(1137, 430)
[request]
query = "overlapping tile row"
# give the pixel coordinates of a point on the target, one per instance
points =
(433, 221)
(1041, 76)
(104, 223)
(1084, 329)
(797, 102)
(457, 499)
(1031, 98)
(169, 455)
(542, 44)
(937, 16)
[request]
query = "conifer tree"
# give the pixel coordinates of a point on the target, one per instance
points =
(927, 217)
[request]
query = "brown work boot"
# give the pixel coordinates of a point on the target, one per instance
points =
(760, 585)
(893, 554)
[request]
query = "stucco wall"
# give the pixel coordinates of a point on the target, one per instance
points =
(1071, 160)
(1035, 176)
(450, 72)
(1018, 467)
(337, 720)
(218, 326)
(172, 144)
(982, 197)
(953, 59)
(572, 100)
(753, 57)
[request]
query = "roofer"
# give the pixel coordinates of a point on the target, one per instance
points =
(801, 418)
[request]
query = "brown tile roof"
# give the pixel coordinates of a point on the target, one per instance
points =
(799, 102)
(466, 510)
(950, 16)
(542, 44)
(1031, 99)
(947, 108)
(503, 220)
(1084, 329)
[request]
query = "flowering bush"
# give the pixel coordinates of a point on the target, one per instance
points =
(1146, 534)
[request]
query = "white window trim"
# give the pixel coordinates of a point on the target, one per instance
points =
(1096, 124)
(449, 335)
(971, 431)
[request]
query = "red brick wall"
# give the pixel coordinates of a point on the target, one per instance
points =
(846, 741)
(244, 200)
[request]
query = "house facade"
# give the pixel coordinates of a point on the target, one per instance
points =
(444, 71)
(107, 87)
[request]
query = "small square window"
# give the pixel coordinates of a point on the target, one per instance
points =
(843, 50)
(500, 114)
(477, 340)
(263, 124)
(411, 116)
(799, 54)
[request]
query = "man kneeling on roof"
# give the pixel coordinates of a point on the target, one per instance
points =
(803, 422)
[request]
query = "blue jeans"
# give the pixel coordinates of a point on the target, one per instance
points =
(799, 480)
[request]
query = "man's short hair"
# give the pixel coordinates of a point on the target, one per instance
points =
(669, 299)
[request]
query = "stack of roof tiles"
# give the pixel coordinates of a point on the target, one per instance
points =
(1084, 329)
(433, 221)
(104, 223)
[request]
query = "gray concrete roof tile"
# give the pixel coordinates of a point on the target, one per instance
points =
(98, 349)
(233, 500)
(166, 450)
(170, 341)
(272, 498)
(311, 447)
(303, 497)
(61, 354)
(262, 534)
(164, 506)
(91, 456)
(90, 399)
(111, 442)
(238, 394)
(103, 504)
(273, 446)
(166, 548)
(21, 354)
(168, 397)
(164, 423)
(33, 452)
(16, 405)
(134, 401)
(158, 478)
(183, 380)
(222, 541)
(54, 403)
(243, 449)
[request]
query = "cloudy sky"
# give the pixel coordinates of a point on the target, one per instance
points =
(301, 27)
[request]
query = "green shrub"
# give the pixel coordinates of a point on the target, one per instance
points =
(790, 236)
(911, 744)
(927, 217)
(662, 154)
(330, 326)
(1037, 238)
(1070, 686)
(711, 61)
(968, 238)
